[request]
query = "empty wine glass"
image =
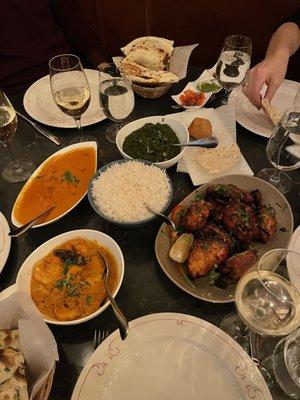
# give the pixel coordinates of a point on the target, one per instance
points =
(283, 366)
(283, 150)
(16, 170)
(233, 63)
(70, 89)
(116, 98)
(265, 300)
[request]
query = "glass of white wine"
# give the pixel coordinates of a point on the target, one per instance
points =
(116, 97)
(70, 89)
(283, 150)
(16, 170)
(233, 63)
(266, 301)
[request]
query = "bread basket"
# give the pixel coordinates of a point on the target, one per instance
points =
(151, 92)
(44, 392)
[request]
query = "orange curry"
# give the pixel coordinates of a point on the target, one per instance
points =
(67, 284)
(61, 183)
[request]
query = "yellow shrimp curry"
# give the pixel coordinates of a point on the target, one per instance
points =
(61, 183)
(67, 284)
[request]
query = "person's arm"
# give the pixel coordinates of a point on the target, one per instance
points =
(271, 71)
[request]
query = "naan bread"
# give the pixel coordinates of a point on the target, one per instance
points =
(153, 58)
(145, 76)
(13, 383)
(273, 113)
(150, 42)
(218, 159)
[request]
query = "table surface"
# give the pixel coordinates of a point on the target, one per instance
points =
(145, 289)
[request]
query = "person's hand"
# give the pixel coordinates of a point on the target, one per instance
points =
(271, 71)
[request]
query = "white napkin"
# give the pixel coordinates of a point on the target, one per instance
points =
(224, 128)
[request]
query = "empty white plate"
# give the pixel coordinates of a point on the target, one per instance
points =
(39, 104)
(170, 356)
(256, 120)
(5, 241)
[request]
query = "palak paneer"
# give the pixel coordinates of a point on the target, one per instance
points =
(61, 183)
(68, 284)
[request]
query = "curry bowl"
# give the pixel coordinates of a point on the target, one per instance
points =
(26, 274)
(178, 127)
(60, 181)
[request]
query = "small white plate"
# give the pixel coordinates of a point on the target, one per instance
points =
(39, 104)
(5, 241)
(170, 356)
(293, 268)
(207, 75)
(256, 120)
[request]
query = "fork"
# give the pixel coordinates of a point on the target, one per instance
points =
(99, 337)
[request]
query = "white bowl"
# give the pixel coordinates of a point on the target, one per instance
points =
(36, 173)
(25, 273)
(178, 127)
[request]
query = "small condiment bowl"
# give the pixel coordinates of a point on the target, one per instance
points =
(178, 127)
(137, 224)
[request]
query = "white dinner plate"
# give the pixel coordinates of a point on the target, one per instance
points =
(256, 120)
(5, 241)
(293, 267)
(170, 356)
(39, 104)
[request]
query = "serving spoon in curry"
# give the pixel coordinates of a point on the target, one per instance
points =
(122, 321)
(24, 228)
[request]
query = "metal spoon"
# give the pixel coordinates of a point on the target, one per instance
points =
(163, 216)
(211, 141)
(122, 321)
(24, 228)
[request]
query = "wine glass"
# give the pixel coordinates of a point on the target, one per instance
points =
(267, 302)
(16, 170)
(116, 98)
(70, 89)
(283, 150)
(283, 366)
(233, 63)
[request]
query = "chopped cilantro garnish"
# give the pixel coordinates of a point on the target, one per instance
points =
(89, 300)
(70, 178)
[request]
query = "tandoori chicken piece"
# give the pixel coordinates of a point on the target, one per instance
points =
(214, 231)
(204, 255)
(237, 265)
(228, 194)
(242, 220)
(266, 218)
(196, 216)
(217, 211)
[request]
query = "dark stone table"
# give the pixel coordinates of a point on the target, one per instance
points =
(145, 289)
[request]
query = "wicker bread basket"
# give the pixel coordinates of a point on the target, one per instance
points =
(151, 92)
(44, 392)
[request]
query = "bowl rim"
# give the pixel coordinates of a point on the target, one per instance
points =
(50, 243)
(158, 163)
(121, 223)
(91, 144)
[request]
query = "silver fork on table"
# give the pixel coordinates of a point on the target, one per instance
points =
(99, 336)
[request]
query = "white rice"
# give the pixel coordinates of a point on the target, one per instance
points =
(121, 192)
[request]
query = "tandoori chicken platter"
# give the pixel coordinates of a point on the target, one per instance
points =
(221, 231)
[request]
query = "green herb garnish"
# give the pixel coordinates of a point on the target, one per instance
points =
(70, 178)
(199, 196)
(89, 300)
(6, 369)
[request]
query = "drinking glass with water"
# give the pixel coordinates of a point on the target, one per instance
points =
(115, 96)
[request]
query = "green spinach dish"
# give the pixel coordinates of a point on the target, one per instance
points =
(152, 142)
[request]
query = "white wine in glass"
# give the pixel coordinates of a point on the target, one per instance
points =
(16, 170)
(70, 89)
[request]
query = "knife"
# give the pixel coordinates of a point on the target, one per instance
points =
(54, 139)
